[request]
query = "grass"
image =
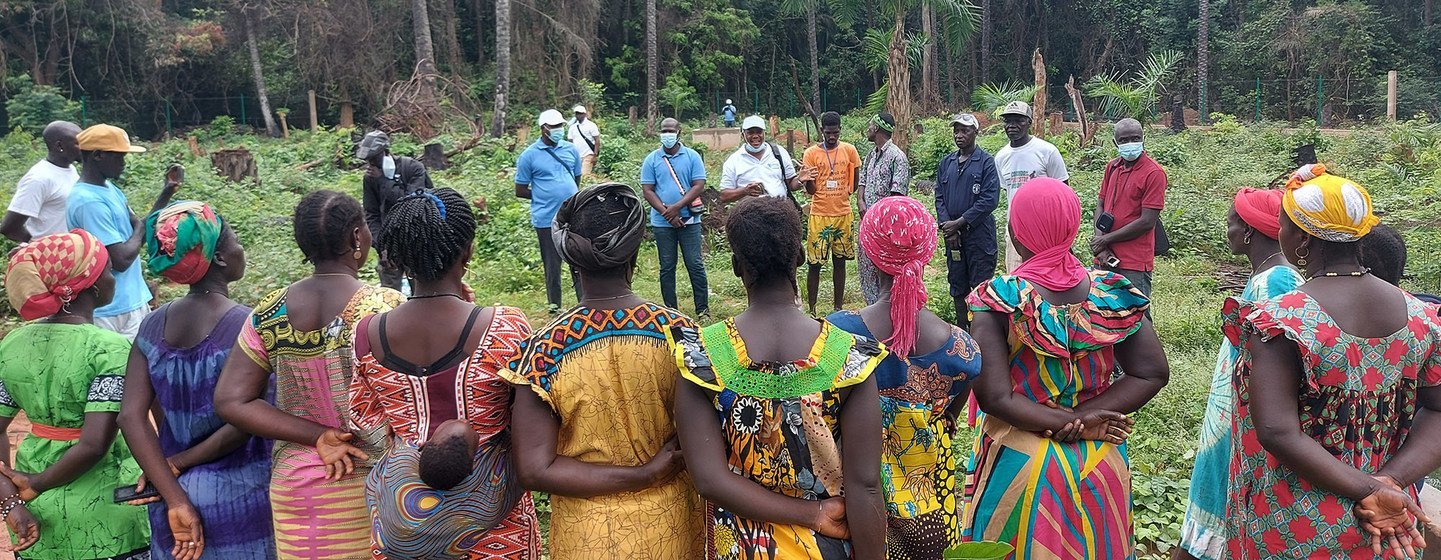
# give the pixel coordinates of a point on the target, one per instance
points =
(1400, 164)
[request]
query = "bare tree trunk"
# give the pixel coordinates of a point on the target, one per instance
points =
(424, 50)
(454, 58)
(898, 74)
(930, 86)
(479, 35)
(502, 65)
(1203, 58)
(650, 68)
(1038, 103)
(815, 57)
(261, 92)
(1427, 17)
(986, 25)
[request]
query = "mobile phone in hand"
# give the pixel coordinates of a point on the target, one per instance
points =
(1113, 262)
(176, 174)
(127, 493)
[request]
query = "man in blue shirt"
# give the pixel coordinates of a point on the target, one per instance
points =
(673, 178)
(728, 114)
(96, 205)
(547, 173)
(967, 188)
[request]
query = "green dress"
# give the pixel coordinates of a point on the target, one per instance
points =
(57, 373)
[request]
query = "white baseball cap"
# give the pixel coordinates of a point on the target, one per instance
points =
(550, 117)
(753, 121)
(1017, 108)
(728, 102)
(965, 119)
(578, 109)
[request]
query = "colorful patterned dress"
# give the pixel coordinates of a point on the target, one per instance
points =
(1357, 399)
(1046, 498)
(781, 424)
(57, 374)
(232, 493)
(488, 515)
(1204, 532)
(918, 463)
(609, 376)
(315, 518)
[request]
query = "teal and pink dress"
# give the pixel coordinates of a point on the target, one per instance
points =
(231, 493)
(1051, 499)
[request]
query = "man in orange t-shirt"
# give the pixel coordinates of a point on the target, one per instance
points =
(830, 230)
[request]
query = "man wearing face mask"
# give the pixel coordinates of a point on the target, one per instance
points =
(967, 190)
(546, 174)
(672, 179)
(1133, 193)
(760, 168)
(388, 178)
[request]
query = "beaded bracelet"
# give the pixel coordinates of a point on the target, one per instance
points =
(9, 504)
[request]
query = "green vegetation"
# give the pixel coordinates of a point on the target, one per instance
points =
(1399, 163)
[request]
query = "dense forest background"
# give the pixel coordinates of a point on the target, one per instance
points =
(155, 65)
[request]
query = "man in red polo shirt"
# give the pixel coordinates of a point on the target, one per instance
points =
(1133, 192)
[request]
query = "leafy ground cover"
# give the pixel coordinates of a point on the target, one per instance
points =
(1399, 163)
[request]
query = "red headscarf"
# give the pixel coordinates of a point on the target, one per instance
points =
(1261, 209)
(1045, 217)
(899, 236)
(52, 271)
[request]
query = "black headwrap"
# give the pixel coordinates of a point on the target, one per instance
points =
(610, 249)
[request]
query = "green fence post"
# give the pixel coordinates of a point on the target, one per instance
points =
(858, 99)
(1320, 97)
(756, 106)
(167, 118)
(1258, 100)
(242, 109)
(84, 112)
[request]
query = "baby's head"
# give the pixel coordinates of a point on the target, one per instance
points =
(449, 457)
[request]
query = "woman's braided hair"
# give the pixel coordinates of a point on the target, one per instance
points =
(425, 234)
(323, 220)
(765, 233)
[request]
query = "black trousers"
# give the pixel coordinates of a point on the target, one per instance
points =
(551, 261)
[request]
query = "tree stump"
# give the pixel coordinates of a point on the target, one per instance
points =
(195, 149)
(347, 114)
(235, 164)
(434, 157)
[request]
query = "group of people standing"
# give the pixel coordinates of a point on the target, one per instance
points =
(336, 419)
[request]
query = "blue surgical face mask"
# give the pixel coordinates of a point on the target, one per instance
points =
(1130, 150)
(755, 149)
(387, 167)
(668, 139)
(557, 134)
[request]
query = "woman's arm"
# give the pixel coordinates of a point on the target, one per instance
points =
(1147, 371)
(541, 469)
(240, 401)
(701, 440)
(219, 444)
(993, 388)
(1419, 455)
(96, 434)
(860, 423)
(140, 434)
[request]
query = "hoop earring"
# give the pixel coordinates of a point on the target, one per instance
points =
(1247, 240)
(1301, 258)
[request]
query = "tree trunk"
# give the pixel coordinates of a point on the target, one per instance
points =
(454, 57)
(650, 68)
(815, 57)
(480, 59)
(260, 90)
(930, 86)
(1427, 17)
(502, 65)
(986, 24)
(1038, 103)
(1203, 57)
(898, 74)
(424, 51)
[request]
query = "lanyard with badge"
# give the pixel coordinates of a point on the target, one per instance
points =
(831, 182)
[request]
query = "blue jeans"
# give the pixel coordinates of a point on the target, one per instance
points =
(688, 238)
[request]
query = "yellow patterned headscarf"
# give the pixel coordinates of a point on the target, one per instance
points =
(1328, 206)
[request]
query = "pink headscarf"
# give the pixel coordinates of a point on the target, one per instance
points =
(899, 236)
(1045, 217)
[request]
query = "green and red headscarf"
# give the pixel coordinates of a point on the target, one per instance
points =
(180, 240)
(50, 272)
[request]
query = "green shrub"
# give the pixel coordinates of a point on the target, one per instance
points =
(32, 106)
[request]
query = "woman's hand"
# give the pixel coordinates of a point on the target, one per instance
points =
(831, 519)
(1389, 515)
(185, 526)
(22, 482)
(140, 487)
(338, 455)
(666, 463)
(1105, 425)
(25, 529)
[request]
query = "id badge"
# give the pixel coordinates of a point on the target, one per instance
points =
(833, 185)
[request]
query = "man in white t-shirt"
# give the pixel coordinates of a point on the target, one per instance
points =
(38, 207)
(1023, 159)
(760, 168)
(586, 137)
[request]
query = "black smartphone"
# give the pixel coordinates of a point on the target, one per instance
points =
(128, 494)
(1105, 222)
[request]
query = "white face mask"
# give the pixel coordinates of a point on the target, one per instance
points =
(387, 167)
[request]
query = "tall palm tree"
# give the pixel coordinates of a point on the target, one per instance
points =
(502, 65)
(261, 92)
(424, 51)
(810, 9)
(1203, 57)
(650, 68)
(958, 23)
